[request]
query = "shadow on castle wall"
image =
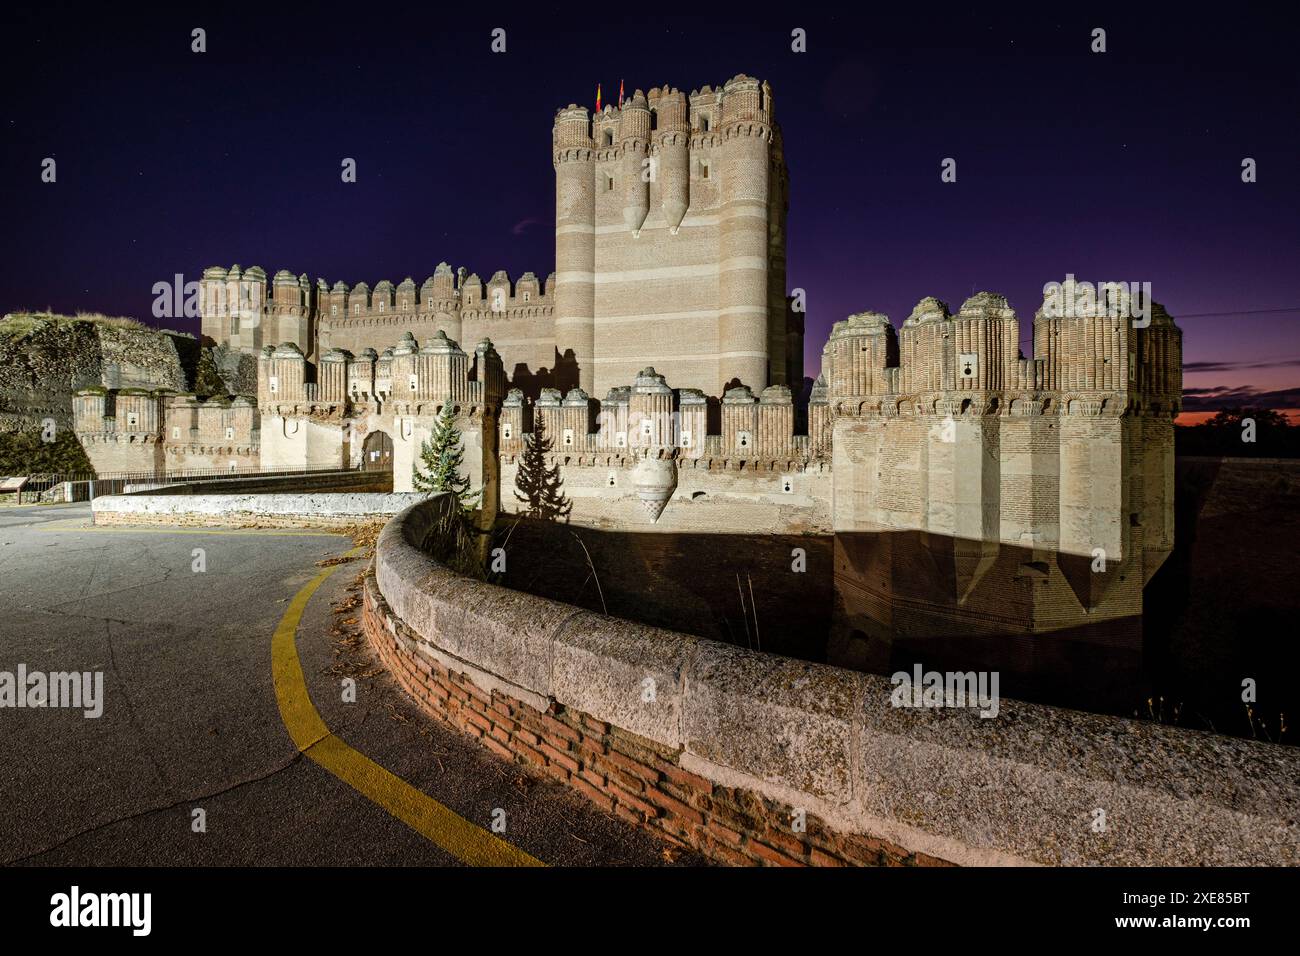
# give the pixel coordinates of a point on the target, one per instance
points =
(1220, 610)
(564, 376)
(908, 598)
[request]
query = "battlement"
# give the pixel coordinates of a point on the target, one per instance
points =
(241, 309)
(1099, 359)
(650, 418)
(708, 305)
(670, 239)
(666, 109)
(140, 430)
(408, 376)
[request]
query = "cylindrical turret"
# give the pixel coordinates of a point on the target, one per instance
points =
(861, 348)
(650, 412)
(693, 421)
(547, 410)
(775, 421)
(742, 283)
(673, 138)
(985, 341)
(634, 142)
(926, 348)
(739, 421)
(575, 242)
(334, 375)
(513, 422)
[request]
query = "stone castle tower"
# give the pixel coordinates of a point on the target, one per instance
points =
(670, 216)
(670, 244)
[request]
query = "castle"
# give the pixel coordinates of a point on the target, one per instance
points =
(670, 242)
(666, 361)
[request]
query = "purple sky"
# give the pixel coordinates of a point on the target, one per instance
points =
(1117, 166)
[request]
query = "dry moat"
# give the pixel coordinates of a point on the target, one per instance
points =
(1219, 612)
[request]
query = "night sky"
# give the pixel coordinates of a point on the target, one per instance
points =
(1117, 166)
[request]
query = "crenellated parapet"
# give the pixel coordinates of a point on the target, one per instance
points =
(127, 414)
(650, 418)
(670, 242)
(149, 431)
(1098, 361)
(242, 310)
(406, 379)
(1069, 451)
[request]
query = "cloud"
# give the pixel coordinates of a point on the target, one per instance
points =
(1215, 397)
(1235, 366)
(522, 225)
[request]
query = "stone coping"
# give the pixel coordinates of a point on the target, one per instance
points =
(1024, 787)
(278, 509)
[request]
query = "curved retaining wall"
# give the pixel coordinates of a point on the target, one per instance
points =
(326, 498)
(324, 508)
(727, 750)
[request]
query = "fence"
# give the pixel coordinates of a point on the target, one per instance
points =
(83, 486)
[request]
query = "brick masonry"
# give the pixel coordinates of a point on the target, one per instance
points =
(634, 778)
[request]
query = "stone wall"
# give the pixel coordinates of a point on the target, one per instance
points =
(44, 359)
(332, 508)
(720, 748)
(723, 496)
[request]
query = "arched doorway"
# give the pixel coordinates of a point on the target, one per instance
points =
(377, 452)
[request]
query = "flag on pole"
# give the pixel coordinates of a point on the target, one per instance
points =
(597, 97)
(620, 94)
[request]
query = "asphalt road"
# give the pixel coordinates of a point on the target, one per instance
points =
(190, 719)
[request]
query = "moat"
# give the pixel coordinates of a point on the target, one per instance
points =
(1207, 625)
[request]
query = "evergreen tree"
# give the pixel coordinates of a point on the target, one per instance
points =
(536, 485)
(441, 457)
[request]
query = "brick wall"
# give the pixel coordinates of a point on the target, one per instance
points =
(632, 777)
(764, 734)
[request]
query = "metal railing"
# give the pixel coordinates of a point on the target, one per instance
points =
(109, 482)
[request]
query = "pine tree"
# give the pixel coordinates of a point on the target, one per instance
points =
(441, 457)
(536, 485)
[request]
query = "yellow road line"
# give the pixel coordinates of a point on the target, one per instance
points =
(464, 840)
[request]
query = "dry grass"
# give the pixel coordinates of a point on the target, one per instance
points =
(352, 657)
(25, 321)
(363, 537)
